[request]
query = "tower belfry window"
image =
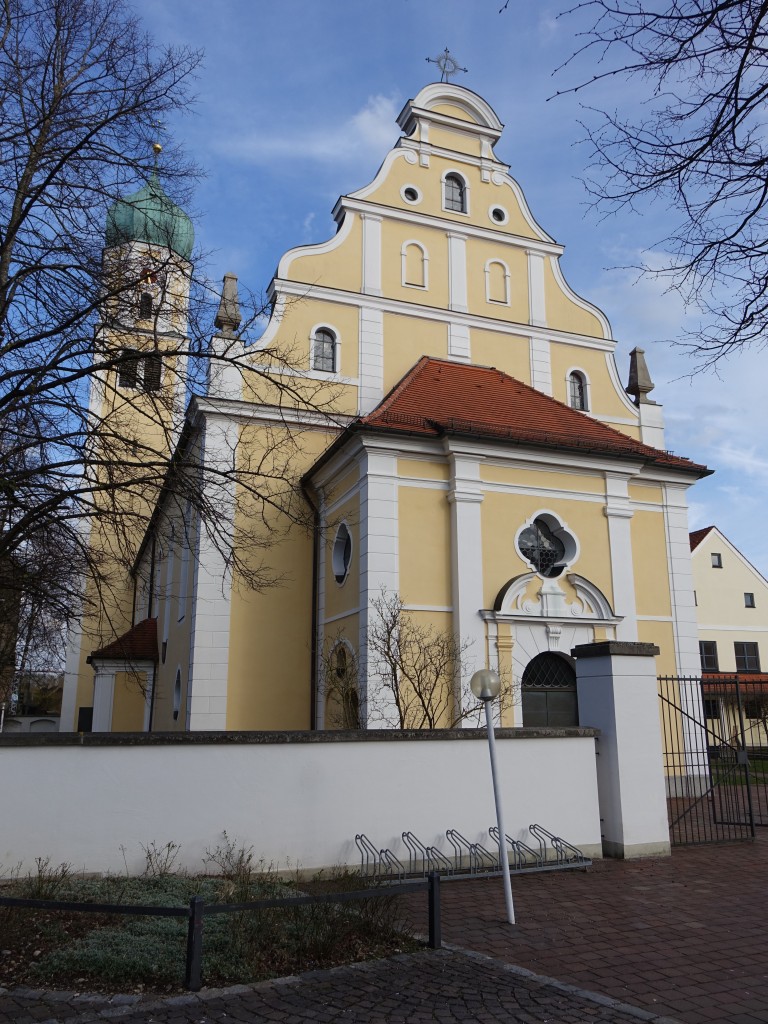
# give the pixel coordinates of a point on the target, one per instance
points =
(146, 306)
(140, 370)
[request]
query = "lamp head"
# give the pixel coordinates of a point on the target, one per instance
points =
(485, 684)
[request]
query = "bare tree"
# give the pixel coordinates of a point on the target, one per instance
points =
(90, 408)
(416, 672)
(699, 143)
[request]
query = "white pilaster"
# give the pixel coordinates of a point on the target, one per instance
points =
(618, 511)
(458, 341)
(536, 299)
(371, 253)
(211, 596)
(465, 497)
(379, 548)
(457, 272)
(541, 365)
(681, 580)
(685, 628)
(103, 696)
(225, 376)
(371, 357)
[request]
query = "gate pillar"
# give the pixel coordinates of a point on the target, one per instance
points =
(617, 692)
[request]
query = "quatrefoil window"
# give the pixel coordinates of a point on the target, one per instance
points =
(546, 545)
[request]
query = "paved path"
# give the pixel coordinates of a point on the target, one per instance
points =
(686, 936)
(443, 986)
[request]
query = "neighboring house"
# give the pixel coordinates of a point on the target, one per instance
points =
(732, 612)
(485, 462)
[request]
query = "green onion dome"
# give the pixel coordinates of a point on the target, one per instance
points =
(150, 216)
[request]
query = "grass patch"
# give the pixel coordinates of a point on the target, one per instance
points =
(110, 952)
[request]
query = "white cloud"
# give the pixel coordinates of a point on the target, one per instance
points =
(367, 134)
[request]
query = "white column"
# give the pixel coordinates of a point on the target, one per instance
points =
(618, 511)
(371, 253)
(465, 497)
(536, 299)
(618, 695)
(541, 365)
(371, 359)
(651, 424)
(457, 272)
(379, 548)
(211, 595)
(103, 697)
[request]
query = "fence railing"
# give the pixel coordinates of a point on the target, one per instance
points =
(198, 910)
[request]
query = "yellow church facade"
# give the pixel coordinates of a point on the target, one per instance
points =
(470, 450)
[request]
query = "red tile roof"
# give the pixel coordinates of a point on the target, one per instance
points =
(138, 644)
(697, 536)
(438, 397)
(718, 683)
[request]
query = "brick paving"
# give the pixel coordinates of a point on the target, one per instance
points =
(686, 936)
(443, 987)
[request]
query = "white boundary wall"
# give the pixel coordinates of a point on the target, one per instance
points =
(297, 798)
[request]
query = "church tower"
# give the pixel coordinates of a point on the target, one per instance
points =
(136, 408)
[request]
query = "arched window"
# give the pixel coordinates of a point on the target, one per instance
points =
(454, 194)
(577, 391)
(146, 306)
(497, 281)
(324, 350)
(414, 265)
(549, 693)
(342, 701)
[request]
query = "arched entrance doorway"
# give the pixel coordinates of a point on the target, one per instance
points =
(549, 691)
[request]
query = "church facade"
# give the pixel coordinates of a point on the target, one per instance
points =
(470, 453)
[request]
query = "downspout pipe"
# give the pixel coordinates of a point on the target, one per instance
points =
(315, 577)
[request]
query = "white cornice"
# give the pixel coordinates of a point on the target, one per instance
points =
(356, 204)
(435, 313)
(247, 411)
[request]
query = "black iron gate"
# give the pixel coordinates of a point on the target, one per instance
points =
(715, 738)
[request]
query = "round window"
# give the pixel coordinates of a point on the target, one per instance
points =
(410, 194)
(499, 215)
(341, 556)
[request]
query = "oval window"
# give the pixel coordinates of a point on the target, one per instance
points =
(341, 556)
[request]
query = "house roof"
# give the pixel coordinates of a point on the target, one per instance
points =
(438, 397)
(719, 683)
(697, 536)
(138, 644)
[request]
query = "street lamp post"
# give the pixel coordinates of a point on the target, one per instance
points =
(486, 685)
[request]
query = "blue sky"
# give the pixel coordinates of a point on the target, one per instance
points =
(296, 105)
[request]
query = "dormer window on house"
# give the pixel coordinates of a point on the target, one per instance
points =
(454, 194)
(577, 391)
(140, 370)
(324, 350)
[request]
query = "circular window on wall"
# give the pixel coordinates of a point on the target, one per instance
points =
(547, 546)
(341, 555)
(498, 215)
(410, 194)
